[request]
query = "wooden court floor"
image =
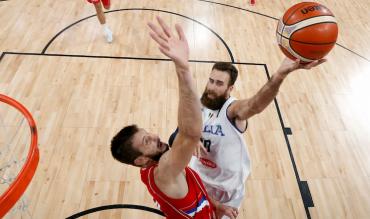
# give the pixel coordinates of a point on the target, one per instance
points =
(310, 149)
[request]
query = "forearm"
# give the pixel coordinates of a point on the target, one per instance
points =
(189, 128)
(189, 114)
(267, 93)
(246, 108)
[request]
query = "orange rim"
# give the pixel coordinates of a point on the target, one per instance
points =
(23, 179)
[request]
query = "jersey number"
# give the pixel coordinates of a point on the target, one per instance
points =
(206, 144)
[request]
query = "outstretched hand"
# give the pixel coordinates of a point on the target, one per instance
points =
(289, 65)
(176, 48)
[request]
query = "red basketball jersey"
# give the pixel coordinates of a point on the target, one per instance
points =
(195, 204)
(106, 3)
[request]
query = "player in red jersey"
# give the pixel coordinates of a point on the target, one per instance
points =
(99, 4)
(176, 188)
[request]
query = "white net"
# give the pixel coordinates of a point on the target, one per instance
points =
(15, 138)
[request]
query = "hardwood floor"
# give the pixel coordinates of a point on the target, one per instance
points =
(81, 90)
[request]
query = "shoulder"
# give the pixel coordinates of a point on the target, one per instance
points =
(231, 107)
(229, 102)
(146, 172)
(162, 172)
(231, 114)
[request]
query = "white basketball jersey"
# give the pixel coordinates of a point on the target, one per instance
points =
(227, 164)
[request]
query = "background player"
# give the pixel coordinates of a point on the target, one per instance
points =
(98, 4)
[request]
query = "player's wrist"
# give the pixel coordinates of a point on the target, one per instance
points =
(182, 65)
(182, 68)
(280, 75)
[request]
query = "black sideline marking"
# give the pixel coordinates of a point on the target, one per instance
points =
(303, 188)
(306, 194)
(122, 57)
(287, 131)
(2, 55)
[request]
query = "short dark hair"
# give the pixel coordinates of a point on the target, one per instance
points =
(229, 68)
(121, 145)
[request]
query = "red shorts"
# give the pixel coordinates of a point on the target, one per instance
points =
(106, 3)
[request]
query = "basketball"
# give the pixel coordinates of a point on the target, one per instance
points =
(307, 31)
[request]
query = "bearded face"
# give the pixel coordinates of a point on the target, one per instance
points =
(149, 145)
(213, 101)
(158, 155)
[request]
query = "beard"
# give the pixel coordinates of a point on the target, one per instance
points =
(158, 156)
(214, 104)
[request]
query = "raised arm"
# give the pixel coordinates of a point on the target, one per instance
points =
(189, 112)
(246, 108)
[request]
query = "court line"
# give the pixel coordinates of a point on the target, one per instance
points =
(239, 8)
(117, 206)
(302, 185)
(142, 9)
(2, 55)
(253, 12)
(353, 52)
(123, 57)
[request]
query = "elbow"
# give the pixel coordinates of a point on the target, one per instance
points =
(257, 110)
(246, 114)
(252, 111)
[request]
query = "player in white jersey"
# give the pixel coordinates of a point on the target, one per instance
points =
(225, 166)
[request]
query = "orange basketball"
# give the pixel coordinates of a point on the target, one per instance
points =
(307, 31)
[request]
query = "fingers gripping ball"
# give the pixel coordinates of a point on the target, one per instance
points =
(307, 31)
